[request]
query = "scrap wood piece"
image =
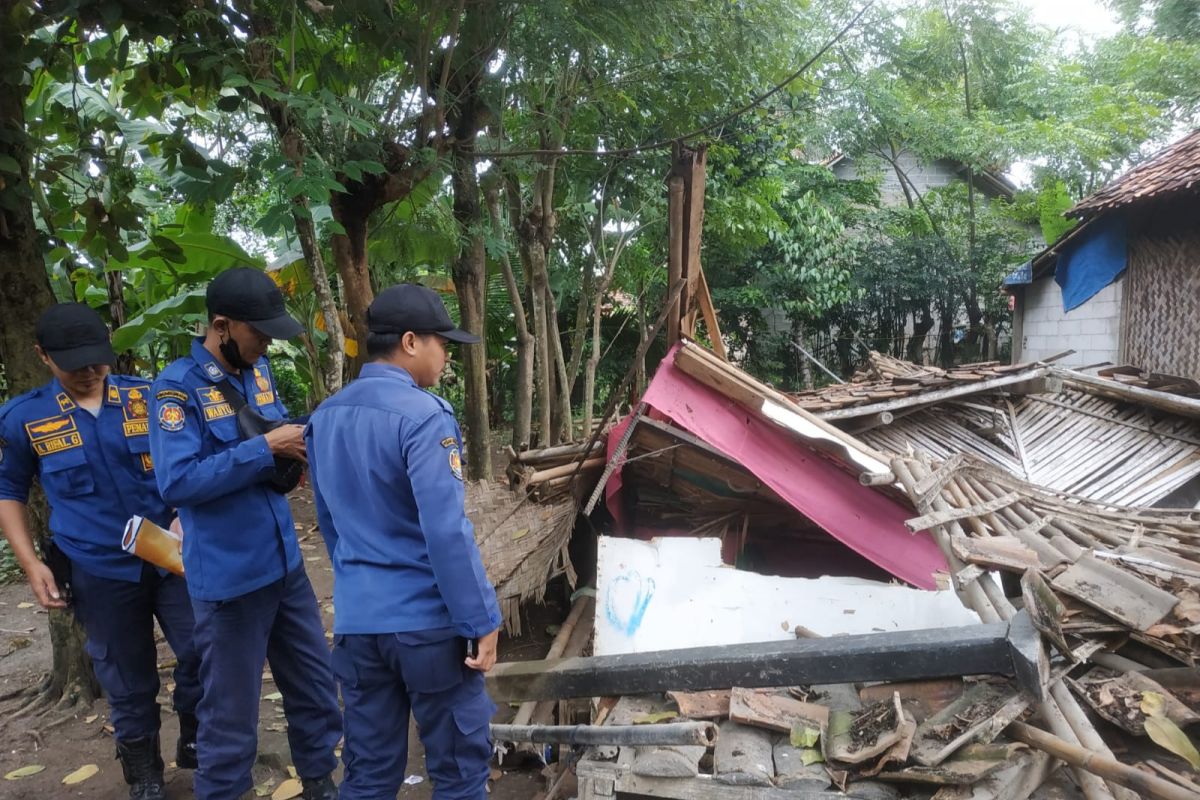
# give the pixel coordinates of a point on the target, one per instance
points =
(979, 715)
(1120, 594)
(935, 519)
(1045, 609)
(1019, 779)
(971, 764)
(743, 756)
(1118, 698)
(997, 552)
(1145, 784)
(777, 712)
(702, 705)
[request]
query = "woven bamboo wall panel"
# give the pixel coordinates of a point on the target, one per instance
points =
(1162, 304)
(523, 544)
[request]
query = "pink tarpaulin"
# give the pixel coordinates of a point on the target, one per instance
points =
(864, 519)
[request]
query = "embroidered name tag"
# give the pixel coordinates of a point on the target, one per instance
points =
(53, 435)
(213, 403)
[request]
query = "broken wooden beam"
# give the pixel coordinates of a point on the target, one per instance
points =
(997, 648)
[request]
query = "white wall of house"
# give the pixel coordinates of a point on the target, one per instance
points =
(1093, 330)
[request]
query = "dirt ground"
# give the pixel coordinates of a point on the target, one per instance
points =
(82, 738)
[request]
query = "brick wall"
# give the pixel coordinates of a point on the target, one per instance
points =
(1092, 330)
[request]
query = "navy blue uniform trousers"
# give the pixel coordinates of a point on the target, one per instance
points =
(118, 619)
(279, 624)
(383, 678)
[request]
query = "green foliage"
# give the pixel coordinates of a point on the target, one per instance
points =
(1052, 201)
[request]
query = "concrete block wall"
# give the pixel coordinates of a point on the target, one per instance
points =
(1093, 330)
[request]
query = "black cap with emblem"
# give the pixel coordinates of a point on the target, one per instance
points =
(74, 337)
(410, 307)
(249, 295)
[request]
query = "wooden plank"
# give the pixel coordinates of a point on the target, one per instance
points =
(936, 396)
(1106, 388)
(704, 298)
(774, 711)
(675, 253)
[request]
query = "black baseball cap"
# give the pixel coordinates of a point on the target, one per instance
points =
(74, 337)
(249, 295)
(410, 307)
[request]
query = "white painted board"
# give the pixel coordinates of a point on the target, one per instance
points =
(675, 592)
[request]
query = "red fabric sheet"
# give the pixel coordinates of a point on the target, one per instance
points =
(862, 518)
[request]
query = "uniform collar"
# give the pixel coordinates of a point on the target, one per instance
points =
(382, 369)
(207, 363)
(65, 403)
(112, 393)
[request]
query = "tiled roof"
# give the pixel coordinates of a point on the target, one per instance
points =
(1173, 171)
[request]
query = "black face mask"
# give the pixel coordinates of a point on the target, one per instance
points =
(233, 354)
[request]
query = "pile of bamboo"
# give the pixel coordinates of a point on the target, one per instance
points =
(555, 471)
(1094, 577)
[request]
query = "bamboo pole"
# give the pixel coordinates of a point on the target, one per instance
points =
(1068, 722)
(1145, 784)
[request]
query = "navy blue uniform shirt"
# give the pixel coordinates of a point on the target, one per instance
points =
(386, 468)
(96, 470)
(238, 533)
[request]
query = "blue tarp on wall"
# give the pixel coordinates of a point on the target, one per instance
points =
(1094, 260)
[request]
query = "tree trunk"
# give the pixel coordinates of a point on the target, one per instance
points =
(350, 257)
(806, 373)
(523, 390)
(470, 283)
(24, 293)
(921, 328)
(566, 421)
(314, 262)
(545, 369)
(639, 381)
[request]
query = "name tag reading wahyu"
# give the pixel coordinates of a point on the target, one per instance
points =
(213, 403)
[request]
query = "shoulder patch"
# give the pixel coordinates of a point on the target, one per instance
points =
(114, 394)
(449, 441)
(65, 403)
(171, 394)
(456, 463)
(171, 416)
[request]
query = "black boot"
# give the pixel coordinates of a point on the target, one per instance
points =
(185, 752)
(143, 767)
(319, 789)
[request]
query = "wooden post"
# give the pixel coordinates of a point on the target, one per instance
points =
(675, 253)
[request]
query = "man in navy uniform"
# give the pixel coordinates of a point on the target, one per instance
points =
(84, 436)
(252, 598)
(415, 620)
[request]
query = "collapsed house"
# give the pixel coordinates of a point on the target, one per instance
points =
(908, 499)
(977, 583)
